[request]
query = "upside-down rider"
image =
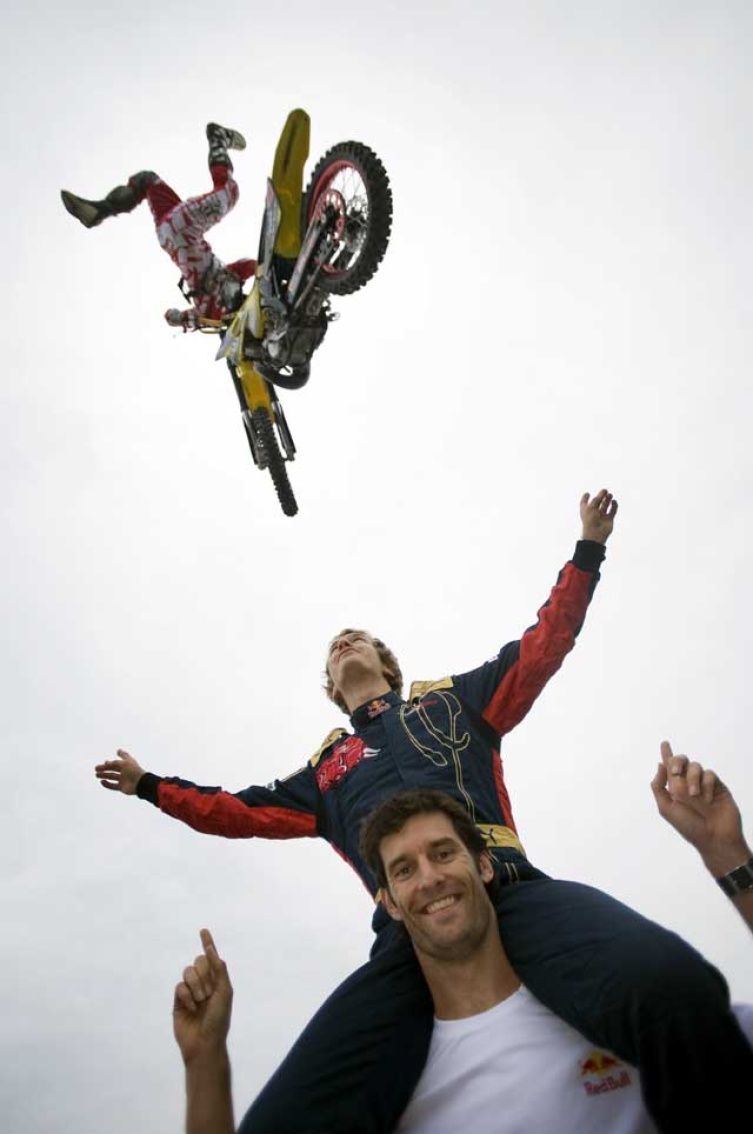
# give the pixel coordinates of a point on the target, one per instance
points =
(214, 288)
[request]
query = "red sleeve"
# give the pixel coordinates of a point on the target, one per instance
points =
(286, 809)
(542, 649)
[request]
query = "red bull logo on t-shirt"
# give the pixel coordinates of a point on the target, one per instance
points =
(602, 1072)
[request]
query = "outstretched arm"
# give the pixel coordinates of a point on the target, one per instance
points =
(508, 688)
(202, 1007)
(285, 810)
(702, 809)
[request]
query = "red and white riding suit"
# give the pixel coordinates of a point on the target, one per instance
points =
(215, 288)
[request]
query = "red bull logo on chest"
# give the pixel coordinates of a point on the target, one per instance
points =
(344, 756)
(601, 1072)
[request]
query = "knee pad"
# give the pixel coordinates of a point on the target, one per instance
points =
(140, 182)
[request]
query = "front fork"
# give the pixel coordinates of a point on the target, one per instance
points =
(255, 392)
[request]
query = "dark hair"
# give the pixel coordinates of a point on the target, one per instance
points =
(390, 816)
(392, 672)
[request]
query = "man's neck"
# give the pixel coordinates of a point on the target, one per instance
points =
(360, 692)
(470, 985)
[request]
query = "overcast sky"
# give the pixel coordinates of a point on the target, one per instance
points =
(565, 304)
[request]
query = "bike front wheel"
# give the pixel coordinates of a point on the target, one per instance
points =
(272, 458)
(352, 178)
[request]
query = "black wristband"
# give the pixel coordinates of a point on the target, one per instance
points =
(738, 880)
(589, 555)
(148, 788)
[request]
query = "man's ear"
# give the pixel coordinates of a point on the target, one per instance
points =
(389, 905)
(485, 867)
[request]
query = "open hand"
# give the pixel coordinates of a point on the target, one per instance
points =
(122, 774)
(597, 515)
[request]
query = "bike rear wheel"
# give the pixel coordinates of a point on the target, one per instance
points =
(358, 185)
(273, 460)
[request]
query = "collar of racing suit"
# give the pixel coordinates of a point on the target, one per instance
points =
(373, 708)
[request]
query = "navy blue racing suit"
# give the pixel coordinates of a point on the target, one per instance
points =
(625, 982)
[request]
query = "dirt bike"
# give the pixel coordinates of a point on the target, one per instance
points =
(327, 241)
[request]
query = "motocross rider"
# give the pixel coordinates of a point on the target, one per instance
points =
(215, 289)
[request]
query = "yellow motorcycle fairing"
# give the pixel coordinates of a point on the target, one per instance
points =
(255, 388)
(287, 179)
(283, 212)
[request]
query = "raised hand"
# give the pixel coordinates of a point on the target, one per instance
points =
(597, 515)
(122, 774)
(202, 1004)
(702, 809)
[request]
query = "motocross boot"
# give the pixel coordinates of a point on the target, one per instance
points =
(221, 139)
(122, 199)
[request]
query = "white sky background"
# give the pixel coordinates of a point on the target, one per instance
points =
(565, 304)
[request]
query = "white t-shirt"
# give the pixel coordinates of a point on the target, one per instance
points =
(518, 1068)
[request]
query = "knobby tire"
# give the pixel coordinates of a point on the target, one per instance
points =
(354, 158)
(265, 430)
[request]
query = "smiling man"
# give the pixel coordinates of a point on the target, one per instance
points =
(433, 882)
(499, 1061)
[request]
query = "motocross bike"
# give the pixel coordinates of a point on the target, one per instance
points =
(327, 241)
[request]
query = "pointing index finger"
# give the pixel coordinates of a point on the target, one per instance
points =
(210, 950)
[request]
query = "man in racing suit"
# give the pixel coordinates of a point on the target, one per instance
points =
(214, 288)
(627, 984)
